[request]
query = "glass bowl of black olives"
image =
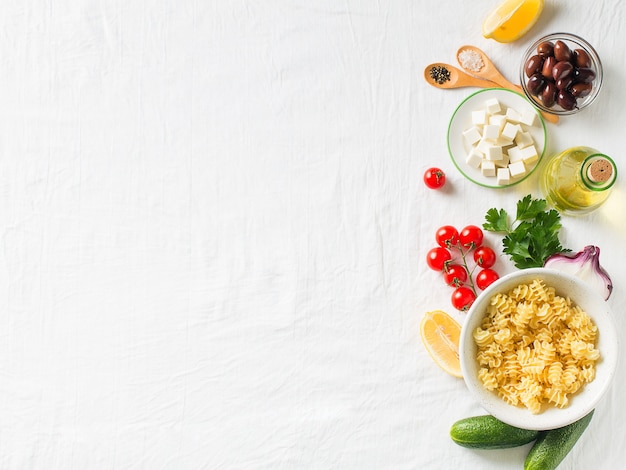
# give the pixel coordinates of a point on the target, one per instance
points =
(561, 73)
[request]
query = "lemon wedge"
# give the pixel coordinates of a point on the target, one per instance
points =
(440, 335)
(512, 19)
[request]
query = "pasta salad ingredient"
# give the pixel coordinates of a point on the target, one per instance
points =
(455, 275)
(553, 446)
(451, 258)
(485, 278)
(532, 237)
(586, 265)
(535, 347)
(471, 237)
(512, 19)
(485, 257)
(488, 432)
(447, 236)
(463, 298)
(471, 60)
(434, 178)
(437, 258)
(440, 334)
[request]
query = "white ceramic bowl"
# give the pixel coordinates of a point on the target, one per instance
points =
(581, 403)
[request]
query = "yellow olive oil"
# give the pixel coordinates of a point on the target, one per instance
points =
(578, 180)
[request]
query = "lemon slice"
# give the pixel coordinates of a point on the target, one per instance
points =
(512, 19)
(440, 335)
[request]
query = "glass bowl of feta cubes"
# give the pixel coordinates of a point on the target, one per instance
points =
(496, 138)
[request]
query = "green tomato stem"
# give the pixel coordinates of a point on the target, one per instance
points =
(469, 273)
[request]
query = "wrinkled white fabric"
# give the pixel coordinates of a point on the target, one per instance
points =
(213, 230)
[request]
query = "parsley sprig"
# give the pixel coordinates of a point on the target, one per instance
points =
(532, 237)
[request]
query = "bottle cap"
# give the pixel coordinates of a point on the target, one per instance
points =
(600, 171)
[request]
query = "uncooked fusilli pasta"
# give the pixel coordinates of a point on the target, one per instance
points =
(535, 347)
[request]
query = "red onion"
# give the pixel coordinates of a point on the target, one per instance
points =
(586, 265)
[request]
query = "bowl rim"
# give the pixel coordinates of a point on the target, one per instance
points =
(551, 417)
(596, 63)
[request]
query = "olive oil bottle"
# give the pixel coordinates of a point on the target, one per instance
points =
(578, 180)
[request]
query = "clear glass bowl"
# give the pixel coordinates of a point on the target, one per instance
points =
(573, 42)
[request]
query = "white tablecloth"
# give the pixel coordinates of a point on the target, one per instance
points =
(213, 231)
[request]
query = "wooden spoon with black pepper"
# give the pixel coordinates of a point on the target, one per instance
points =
(442, 75)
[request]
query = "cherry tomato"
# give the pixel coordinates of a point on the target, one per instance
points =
(485, 278)
(471, 236)
(434, 178)
(437, 258)
(485, 257)
(463, 298)
(447, 236)
(455, 275)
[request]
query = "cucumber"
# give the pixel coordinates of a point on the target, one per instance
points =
(552, 446)
(487, 432)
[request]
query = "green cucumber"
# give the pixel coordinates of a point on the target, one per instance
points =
(487, 432)
(552, 446)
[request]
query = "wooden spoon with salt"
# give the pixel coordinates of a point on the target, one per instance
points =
(488, 71)
(437, 75)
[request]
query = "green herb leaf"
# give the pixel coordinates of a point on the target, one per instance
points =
(529, 208)
(532, 237)
(496, 221)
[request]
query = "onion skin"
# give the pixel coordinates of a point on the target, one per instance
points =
(586, 265)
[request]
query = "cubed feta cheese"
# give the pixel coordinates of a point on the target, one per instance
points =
(494, 153)
(529, 154)
(514, 154)
(510, 131)
(488, 168)
(474, 158)
(503, 176)
(493, 106)
(504, 162)
(524, 139)
(483, 145)
(472, 135)
(517, 169)
(512, 116)
(479, 118)
(491, 132)
(529, 117)
(497, 120)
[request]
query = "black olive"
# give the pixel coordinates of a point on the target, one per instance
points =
(581, 58)
(565, 100)
(545, 49)
(548, 95)
(562, 52)
(584, 75)
(562, 69)
(580, 90)
(548, 65)
(535, 84)
(533, 65)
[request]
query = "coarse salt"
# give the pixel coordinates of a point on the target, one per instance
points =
(471, 60)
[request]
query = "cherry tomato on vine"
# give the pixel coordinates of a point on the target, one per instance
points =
(463, 298)
(471, 236)
(455, 275)
(485, 278)
(434, 178)
(485, 257)
(447, 236)
(436, 258)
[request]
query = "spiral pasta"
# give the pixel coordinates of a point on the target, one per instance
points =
(535, 347)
